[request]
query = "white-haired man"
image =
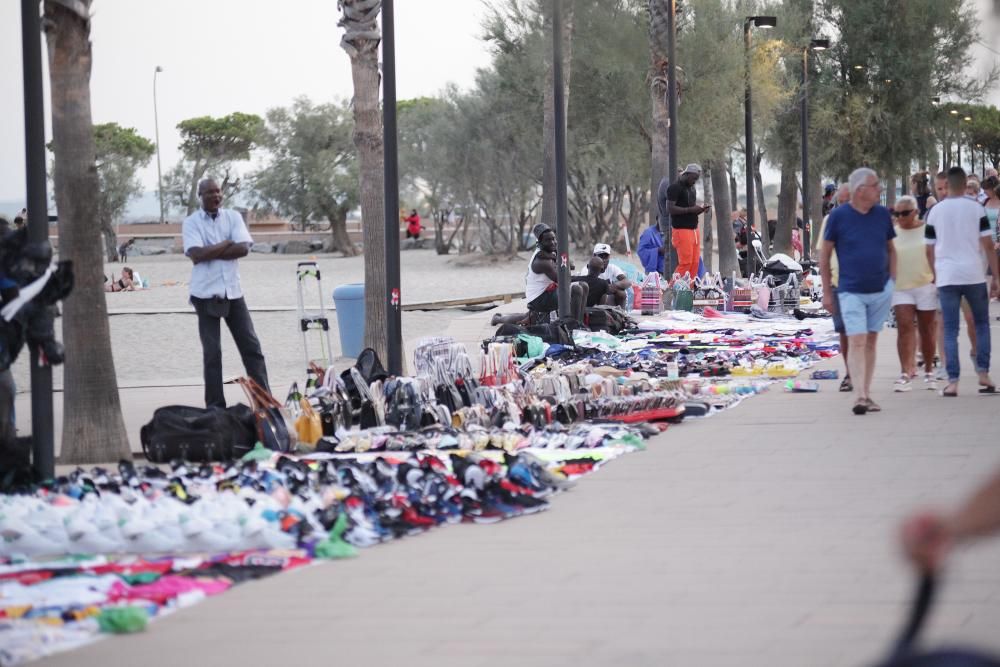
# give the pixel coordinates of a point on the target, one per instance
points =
(861, 234)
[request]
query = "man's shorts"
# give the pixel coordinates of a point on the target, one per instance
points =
(865, 313)
(545, 302)
(838, 321)
(924, 298)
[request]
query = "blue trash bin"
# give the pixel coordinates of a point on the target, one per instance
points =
(349, 300)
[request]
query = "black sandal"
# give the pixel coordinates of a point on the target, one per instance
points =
(846, 384)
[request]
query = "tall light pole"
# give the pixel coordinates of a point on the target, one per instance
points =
(559, 151)
(156, 123)
(814, 45)
(42, 430)
(958, 139)
(967, 119)
(760, 22)
(670, 254)
(390, 191)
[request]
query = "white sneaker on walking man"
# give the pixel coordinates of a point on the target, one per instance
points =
(861, 233)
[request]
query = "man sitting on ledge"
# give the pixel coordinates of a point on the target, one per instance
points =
(541, 283)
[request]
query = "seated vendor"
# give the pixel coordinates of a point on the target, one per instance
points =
(618, 282)
(599, 289)
(541, 280)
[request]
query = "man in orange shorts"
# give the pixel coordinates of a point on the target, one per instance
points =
(682, 205)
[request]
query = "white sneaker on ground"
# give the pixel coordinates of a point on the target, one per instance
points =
(930, 382)
(902, 383)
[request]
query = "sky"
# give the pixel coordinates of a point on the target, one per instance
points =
(221, 56)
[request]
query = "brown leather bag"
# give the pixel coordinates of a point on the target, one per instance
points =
(275, 429)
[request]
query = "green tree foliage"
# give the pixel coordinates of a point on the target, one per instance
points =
(311, 170)
(983, 132)
(890, 59)
(427, 175)
(120, 153)
(210, 147)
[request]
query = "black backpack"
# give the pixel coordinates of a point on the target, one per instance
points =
(198, 434)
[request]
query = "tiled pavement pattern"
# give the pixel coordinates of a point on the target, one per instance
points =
(762, 536)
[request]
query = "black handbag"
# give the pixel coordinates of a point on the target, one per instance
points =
(196, 434)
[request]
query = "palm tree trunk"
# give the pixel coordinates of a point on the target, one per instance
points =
(658, 97)
(361, 41)
(93, 428)
(787, 195)
(723, 207)
(549, 116)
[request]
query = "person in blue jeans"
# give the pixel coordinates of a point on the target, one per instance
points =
(861, 233)
(958, 237)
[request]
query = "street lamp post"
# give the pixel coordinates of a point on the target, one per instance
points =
(967, 119)
(156, 123)
(670, 254)
(42, 430)
(958, 139)
(390, 192)
(559, 151)
(814, 45)
(760, 22)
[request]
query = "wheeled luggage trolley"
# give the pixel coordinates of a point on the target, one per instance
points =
(313, 320)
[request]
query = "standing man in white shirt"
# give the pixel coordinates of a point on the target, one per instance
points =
(957, 234)
(214, 239)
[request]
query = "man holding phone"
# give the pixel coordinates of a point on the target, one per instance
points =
(682, 205)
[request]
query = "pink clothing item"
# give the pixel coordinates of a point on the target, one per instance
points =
(167, 588)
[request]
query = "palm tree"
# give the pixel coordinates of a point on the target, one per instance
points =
(362, 36)
(658, 35)
(93, 428)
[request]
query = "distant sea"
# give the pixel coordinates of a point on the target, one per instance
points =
(144, 208)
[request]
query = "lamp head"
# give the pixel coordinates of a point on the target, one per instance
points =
(954, 112)
(859, 67)
(935, 100)
(818, 44)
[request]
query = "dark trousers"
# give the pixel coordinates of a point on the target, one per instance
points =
(237, 317)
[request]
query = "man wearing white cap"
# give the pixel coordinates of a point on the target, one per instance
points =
(619, 282)
(682, 205)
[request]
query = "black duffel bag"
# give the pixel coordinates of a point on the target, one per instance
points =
(198, 434)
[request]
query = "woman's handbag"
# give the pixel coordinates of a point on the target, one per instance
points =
(274, 429)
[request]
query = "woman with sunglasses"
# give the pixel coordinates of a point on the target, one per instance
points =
(915, 297)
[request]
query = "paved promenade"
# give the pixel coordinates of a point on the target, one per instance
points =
(762, 536)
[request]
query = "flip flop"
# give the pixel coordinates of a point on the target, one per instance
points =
(860, 407)
(950, 394)
(846, 384)
(988, 389)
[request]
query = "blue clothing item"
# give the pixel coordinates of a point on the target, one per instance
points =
(864, 313)
(861, 242)
(701, 267)
(649, 249)
(979, 302)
